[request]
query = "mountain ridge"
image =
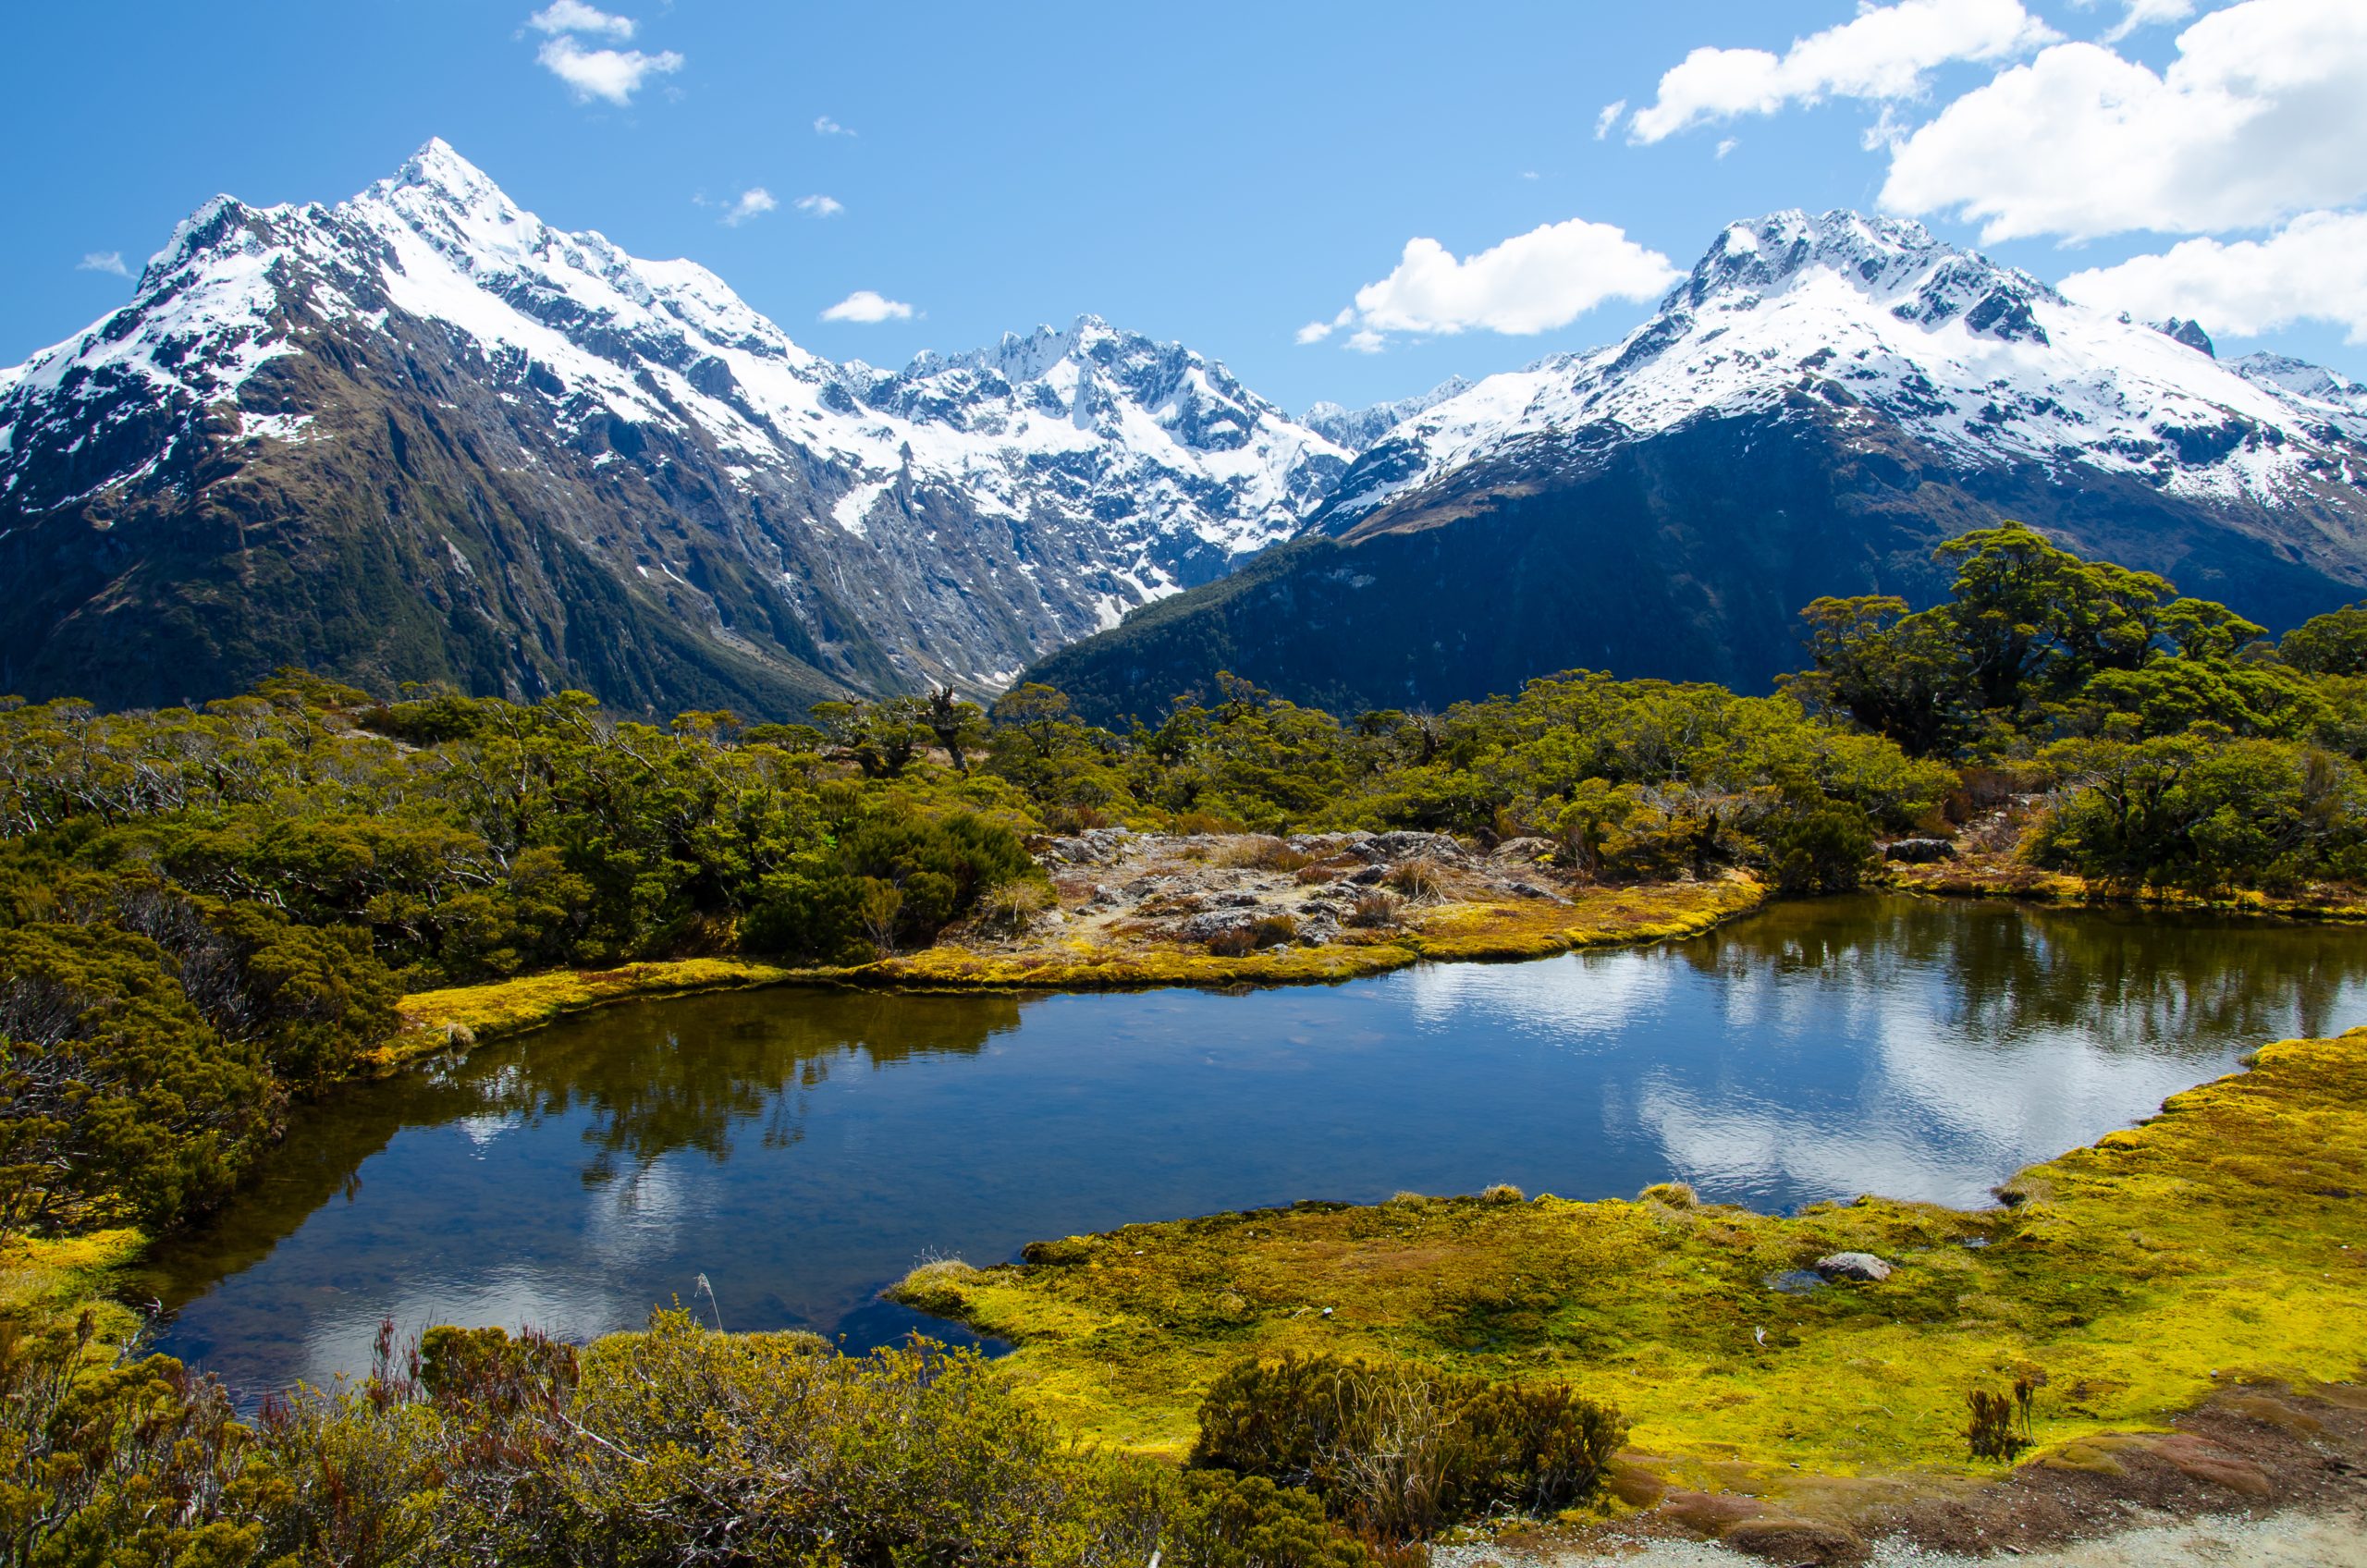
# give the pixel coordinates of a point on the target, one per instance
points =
(806, 528)
(1818, 403)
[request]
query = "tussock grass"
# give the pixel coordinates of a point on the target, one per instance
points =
(2224, 1241)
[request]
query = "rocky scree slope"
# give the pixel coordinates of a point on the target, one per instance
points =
(1820, 402)
(423, 434)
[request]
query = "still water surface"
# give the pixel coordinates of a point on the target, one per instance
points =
(800, 1148)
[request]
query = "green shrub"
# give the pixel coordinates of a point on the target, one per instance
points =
(1401, 1452)
(1823, 850)
(118, 1100)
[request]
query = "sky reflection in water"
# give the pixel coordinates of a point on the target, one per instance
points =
(800, 1148)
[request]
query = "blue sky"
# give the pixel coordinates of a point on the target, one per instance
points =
(1233, 175)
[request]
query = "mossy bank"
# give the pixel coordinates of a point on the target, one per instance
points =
(458, 1016)
(2224, 1241)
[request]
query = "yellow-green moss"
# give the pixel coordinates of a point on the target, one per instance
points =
(433, 1021)
(1519, 930)
(2204, 1248)
(44, 1276)
(1598, 917)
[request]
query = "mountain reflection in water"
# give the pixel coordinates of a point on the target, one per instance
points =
(800, 1147)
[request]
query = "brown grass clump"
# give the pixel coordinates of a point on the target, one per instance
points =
(1502, 1191)
(1262, 853)
(1375, 911)
(1236, 941)
(1422, 880)
(1011, 907)
(1273, 931)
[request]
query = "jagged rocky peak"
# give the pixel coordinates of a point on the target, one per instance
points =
(1893, 261)
(2177, 329)
(1359, 429)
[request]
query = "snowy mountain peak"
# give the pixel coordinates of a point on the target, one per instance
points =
(1894, 261)
(1357, 429)
(438, 170)
(1864, 321)
(1105, 468)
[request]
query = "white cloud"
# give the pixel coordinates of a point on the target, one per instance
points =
(754, 202)
(825, 126)
(866, 306)
(1727, 146)
(103, 260)
(613, 74)
(2149, 13)
(574, 16)
(821, 206)
(1608, 118)
(2315, 269)
(1316, 331)
(1883, 53)
(1531, 283)
(2262, 115)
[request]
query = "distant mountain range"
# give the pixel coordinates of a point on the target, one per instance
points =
(423, 436)
(1816, 406)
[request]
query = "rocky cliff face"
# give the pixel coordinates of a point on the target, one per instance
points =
(422, 434)
(1815, 406)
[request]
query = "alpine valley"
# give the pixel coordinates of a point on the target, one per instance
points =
(423, 436)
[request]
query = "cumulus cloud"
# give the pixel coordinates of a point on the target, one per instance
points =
(825, 126)
(1883, 53)
(611, 74)
(1531, 283)
(1608, 118)
(110, 262)
(820, 206)
(2261, 115)
(2149, 13)
(866, 306)
(574, 16)
(2315, 269)
(754, 202)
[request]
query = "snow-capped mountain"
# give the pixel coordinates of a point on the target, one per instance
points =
(2338, 403)
(1985, 366)
(1357, 429)
(1819, 403)
(430, 394)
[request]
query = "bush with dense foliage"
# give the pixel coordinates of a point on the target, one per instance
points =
(1400, 1452)
(679, 1445)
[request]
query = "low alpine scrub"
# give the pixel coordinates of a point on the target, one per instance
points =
(1400, 1453)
